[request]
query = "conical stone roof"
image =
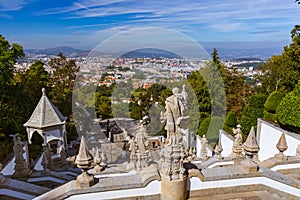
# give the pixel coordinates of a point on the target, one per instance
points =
(45, 114)
(250, 146)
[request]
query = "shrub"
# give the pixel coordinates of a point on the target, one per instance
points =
(273, 101)
(231, 120)
(210, 127)
(252, 111)
(270, 117)
(288, 111)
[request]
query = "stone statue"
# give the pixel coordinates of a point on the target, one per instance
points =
(63, 156)
(18, 147)
(140, 139)
(174, 114)
(237, 144)
(21, 167)
(173, 153)
(132, 149)
(48, 154)
(103, 163)
(203, 151)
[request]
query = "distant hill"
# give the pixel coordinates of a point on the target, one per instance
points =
(67, 51)
(224, 53)
(150, 53)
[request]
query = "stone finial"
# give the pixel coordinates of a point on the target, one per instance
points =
(44, 91)
(251, 149)
(103, 163)
(298, 151)
(194, 153)
(281, 146)
(218, 151)
(97, 161)
(84, 161)
(250, 146)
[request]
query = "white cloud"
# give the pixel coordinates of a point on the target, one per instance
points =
(9, 5)
(184, 15)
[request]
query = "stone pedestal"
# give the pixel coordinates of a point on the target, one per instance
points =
(237, 154)
(174, 189)
(280, 156)
(21, 171)
(84, 180)
(249, 165)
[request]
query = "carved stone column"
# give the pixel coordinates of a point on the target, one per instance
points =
(174, 178)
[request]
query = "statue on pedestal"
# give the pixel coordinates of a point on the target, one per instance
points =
(174, 114)
(21, 167)
(173, 152)
(237, 144)
(203, 151)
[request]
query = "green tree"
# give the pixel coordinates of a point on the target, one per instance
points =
(236, 88)
(252, 112)
(271, 104)
(120, 110)
(32, 81)
(9, 93)
(62, 82)
(288, 111)
(103, 106)
(201, 91)
(281, 73)
(210, 127)
(230, 122)
(273, 101)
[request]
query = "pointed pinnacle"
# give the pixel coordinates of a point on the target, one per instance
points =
(84, 158)
(282, 145)
(250, 146)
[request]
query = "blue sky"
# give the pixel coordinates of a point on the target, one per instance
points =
(85, 23)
